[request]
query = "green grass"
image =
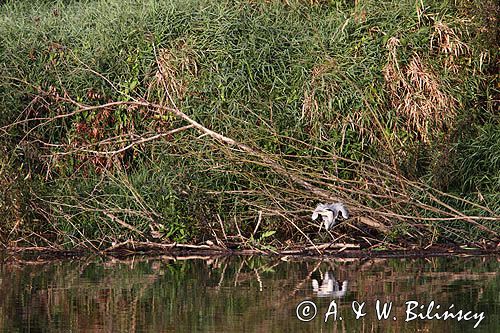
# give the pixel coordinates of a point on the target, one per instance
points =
(263, 73)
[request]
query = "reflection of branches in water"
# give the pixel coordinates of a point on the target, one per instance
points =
(264, 284)
(301, 284)
(50, 281)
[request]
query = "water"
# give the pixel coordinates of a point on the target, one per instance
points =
(247, 294)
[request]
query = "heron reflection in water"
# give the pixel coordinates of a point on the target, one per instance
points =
(329, 287)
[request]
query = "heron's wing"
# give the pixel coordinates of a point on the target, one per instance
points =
(339, 207)
(320, 207)
(345, 212)
(317, 211)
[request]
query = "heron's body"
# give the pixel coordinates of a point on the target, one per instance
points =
(330, 213)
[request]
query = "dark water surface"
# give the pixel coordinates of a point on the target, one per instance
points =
(249, 294)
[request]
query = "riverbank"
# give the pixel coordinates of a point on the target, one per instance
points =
(225, 124)
(189, 251)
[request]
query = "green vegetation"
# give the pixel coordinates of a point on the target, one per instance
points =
(388, 106)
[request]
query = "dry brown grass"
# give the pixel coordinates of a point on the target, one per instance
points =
(173, 68)
(416, 95)
(446, 41)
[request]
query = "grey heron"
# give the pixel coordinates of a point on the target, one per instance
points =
(330, 213)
